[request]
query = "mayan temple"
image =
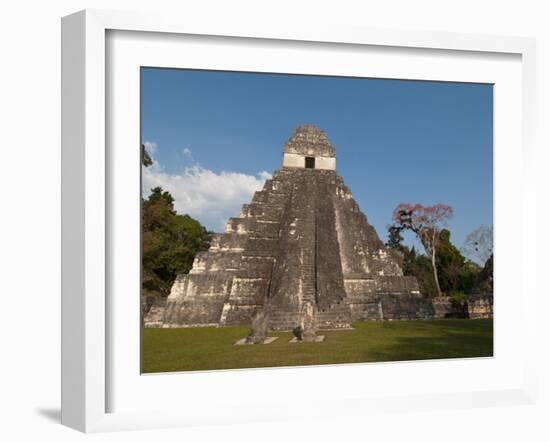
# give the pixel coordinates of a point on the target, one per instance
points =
(302, 240)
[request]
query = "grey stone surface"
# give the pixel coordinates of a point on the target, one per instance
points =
(309, 140)
(302, 239)
(307, 323)
(317, 338)
(480, 306)
(152, 311)
(259, 328)
(245, 341)
(444, 307)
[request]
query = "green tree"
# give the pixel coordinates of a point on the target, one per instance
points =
(412, 263)
(170, 242)
(395, 239)
(146, 159)
(425, 222)
(456, 273)
(420, 266)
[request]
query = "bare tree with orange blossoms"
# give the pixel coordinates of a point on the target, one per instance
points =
(426, 222)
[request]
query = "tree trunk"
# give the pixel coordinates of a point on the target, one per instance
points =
(434, 266)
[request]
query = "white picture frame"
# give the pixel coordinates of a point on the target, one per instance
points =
(87, 205)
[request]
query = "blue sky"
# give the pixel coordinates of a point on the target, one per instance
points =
(215, 136)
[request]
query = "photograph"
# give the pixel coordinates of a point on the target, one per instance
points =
(301, 220)
(275, 221)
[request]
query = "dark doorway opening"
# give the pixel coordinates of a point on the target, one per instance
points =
(310, 162)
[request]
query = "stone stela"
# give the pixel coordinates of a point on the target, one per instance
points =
(301, 242)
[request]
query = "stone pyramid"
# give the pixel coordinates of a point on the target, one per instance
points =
(302, 239)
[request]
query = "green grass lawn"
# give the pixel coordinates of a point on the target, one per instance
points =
(172, 349)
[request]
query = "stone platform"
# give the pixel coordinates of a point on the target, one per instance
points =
(295, 340)
(268, 340)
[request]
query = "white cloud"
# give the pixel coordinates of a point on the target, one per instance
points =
(187, 153)
(210, 197)
(150, 147)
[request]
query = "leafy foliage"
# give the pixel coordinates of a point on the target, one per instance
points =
(457, 275)
(169, 242)
(297, 332)
(395, 239)
(425, 222)
(418, 265)
(146, 159)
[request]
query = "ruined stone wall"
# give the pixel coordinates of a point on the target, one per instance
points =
(480, 306)
(152, 311)
(309, 140)
(387, 298)
(197, 299)
(444, 307)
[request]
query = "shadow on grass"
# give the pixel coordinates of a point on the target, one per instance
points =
(437, 340)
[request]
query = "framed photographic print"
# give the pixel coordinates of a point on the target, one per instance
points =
(234, 254)
(276, 215)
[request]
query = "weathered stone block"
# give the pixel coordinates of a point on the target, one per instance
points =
(152, 311)
(445, 307)
(480, 306)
